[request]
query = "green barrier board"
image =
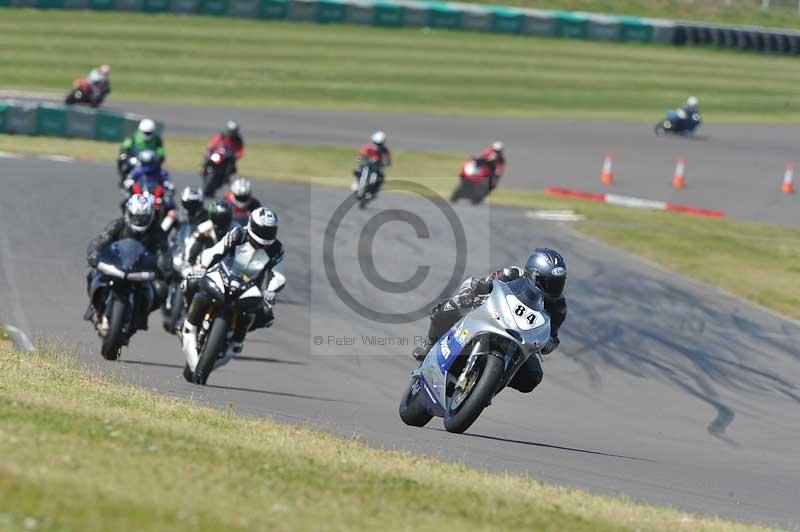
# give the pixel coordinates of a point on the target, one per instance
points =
(213, 7)
(51, 120)
(50, 4)
(23, 3)
(507, 21)
(183, 6)
(101, 5)
(4, 3)
(3, 107)
(570, 25)
(274, 9)
(331, 11)
(243, 8)
(109, 126)
(444, 16)
(155, 6)
(21, 119)
(129, 5)
(81, 122)
(634, 29)
(388, 14)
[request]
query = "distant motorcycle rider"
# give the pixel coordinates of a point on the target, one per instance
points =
(374, 152)
(99, 82)
(145, 138)
(219, 218)
(259, 237)
(241, 198)
(544, 274)
(687, 114)
(494, 157)
(192, 210)
(230, 139)
(147, 177)
(138, 223)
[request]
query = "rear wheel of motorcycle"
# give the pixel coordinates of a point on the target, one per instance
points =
(491, 371)
(412, 406)
(113, 339)
(215, 343)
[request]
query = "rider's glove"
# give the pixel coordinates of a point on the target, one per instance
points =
(551, 345)
(127, 184)
(198, 270)
(269, 298)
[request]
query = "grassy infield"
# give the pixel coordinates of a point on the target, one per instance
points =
(126, 456)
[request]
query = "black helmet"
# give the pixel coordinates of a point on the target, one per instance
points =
(192, 199)
(221, 215)
(262, 226)
(547, 270)
(231, 129)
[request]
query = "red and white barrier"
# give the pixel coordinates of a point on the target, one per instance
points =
(629, 201)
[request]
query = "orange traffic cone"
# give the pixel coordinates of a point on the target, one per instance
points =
(607, 175)
(678, 180)
(788, 180)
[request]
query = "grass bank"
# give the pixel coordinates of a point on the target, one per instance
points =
(192, 59)
(79, 452)
(767, 256)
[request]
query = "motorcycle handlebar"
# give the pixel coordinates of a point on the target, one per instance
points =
(111, 271)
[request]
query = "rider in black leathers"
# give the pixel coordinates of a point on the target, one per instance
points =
(149, 233)
(543, 277)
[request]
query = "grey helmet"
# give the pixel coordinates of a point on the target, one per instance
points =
(547, 271)
(192, 199)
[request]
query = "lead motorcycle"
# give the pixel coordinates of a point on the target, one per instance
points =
(474, 360)
(675, 125)
(125, 269)
(82, 92)
(231, 285)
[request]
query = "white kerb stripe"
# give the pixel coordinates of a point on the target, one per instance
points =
(638, 203)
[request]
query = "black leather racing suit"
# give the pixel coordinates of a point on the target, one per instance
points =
(154, 239)
(472, 294)
(270, 280)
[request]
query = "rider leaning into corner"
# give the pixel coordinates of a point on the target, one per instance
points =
(241, 198)
(259, 237)
(494, 157)
(99, 82)
(544, 275)
(138, 223)
(230, 139)
(375, 151)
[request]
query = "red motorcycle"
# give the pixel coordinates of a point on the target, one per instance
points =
(477, 177)
(82, 92)
(218, 167)
(162, 196)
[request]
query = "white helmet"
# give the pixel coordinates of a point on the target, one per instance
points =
(147, 127)
(240, 188)
(497, 146)
(263, 226)
(139, 212)
(691, 101)
(104, 70)
(378, 138)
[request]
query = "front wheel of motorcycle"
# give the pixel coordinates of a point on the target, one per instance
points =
(412, 406)
(215, 344)
(114, 337)
(467, 403)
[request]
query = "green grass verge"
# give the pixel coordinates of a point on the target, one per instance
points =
(193, 59)
(757, 261)
(80, 452)
(739, 12)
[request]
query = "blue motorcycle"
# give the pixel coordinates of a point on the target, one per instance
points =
(676, 125)
(474, 360)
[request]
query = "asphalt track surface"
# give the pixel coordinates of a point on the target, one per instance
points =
(664, 390)
(734, 168)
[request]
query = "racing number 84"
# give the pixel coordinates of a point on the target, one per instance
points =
(520, 311)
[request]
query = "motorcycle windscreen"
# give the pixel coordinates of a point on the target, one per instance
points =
(128, 255)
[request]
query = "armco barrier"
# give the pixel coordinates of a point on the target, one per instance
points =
(460, 16)
(52, 120)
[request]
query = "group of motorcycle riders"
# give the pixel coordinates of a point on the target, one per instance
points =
(238, 224)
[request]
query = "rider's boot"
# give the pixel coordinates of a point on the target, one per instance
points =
(421, 351)
(189, 345)
(234, 350)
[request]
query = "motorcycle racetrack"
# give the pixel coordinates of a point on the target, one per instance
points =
(663, 390)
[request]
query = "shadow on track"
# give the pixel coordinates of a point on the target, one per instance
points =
(549, 446)
(155, 364)
(283, 394)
